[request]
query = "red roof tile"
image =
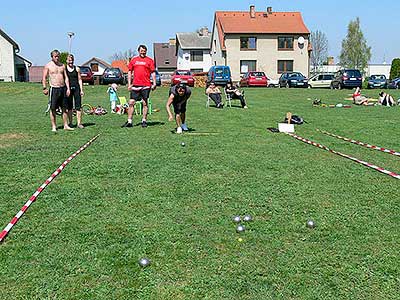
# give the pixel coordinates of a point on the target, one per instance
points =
(122, 64)
(273, 23)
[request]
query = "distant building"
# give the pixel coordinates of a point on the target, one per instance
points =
(13, 67)
(273, 42)
(122, 64)
(97, 65)
(193, 50)
(165, 56)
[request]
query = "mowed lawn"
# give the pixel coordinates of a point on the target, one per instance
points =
(138, 193)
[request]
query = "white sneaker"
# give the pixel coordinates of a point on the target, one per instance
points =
(184, 127)
(179, 130)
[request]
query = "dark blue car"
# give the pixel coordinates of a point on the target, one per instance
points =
(293, 79)
(347, 78)
(377, 82)
(394, 83)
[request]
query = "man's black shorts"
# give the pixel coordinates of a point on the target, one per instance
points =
(140, 93)
(58, 97)
(179, 107)
(74, 100)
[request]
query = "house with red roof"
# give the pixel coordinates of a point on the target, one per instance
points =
(273, 42)
(122, 64)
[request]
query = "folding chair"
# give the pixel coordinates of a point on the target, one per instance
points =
(208, 101)
(228, 98)
(149, 104)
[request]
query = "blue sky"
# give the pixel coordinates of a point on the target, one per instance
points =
(103, 28)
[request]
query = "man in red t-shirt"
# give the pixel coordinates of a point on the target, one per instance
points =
(140, 67)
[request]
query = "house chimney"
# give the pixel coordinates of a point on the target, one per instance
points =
(269, 9)
(203, 31)
(252, 11)
(172, 41)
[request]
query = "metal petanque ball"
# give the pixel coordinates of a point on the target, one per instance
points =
(183, 144)
(144, 262)
(247, 218)
(310, 224)
(236, 219)
(240, 228)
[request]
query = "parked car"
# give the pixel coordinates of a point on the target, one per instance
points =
(320, 80)
(87, 75)
(220, 75)
(347, 78)
(377, 81)
(112, 75)
(293, 79)
(182, 76)
(158, 79)
(394, 83)
(272, 82)
(254, 79)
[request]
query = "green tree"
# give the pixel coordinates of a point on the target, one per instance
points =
(63, 57)
(395, 68)
(355, 52)
(319, 52)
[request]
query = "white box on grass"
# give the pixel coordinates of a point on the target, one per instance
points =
(284, 127)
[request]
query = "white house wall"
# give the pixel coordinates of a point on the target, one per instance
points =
(216, 52)
(184, 63)
(7, 68)
(266, 55)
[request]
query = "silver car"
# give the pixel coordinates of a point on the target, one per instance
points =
(320, 80)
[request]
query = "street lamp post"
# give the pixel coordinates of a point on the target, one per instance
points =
(70, 35)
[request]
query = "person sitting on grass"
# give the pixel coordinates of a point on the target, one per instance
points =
(386, 99)
(235, 93)
(215, 95)
(358, 99)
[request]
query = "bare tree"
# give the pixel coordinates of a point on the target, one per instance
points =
(319, 52)
(123, 55)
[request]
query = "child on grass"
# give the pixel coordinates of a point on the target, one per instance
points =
(112, 91)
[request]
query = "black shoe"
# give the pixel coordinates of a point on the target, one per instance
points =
(144, 124)
(127, 124)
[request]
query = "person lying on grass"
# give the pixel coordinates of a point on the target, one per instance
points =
(386, 99)
(359, 99)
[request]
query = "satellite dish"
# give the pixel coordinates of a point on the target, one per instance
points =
(301, 40)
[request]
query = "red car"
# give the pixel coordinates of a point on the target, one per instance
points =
(182, 76)
(254, 79)
(87, 75)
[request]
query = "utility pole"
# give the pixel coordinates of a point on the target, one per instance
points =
(70, 35)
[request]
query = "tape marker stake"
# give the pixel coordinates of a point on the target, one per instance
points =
(379, 169)
(33, 198)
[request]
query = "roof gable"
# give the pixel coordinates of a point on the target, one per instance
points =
(10, 40)
(164, 52)
(100, 61)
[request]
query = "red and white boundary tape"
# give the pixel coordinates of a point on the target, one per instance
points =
(33, 198)
(393, 152)
(379, 169)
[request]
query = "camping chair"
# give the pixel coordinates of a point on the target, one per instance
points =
(208, 101)
(228, 98)
(123, 103)
(149, 104)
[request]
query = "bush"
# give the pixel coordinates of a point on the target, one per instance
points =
(395, 69)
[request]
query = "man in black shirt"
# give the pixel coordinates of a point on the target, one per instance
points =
(178, 97)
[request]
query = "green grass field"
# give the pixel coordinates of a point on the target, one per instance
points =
(137, 192)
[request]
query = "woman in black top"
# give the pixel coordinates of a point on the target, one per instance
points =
(75, 97)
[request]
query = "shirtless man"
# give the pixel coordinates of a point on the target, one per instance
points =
(59, 89)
